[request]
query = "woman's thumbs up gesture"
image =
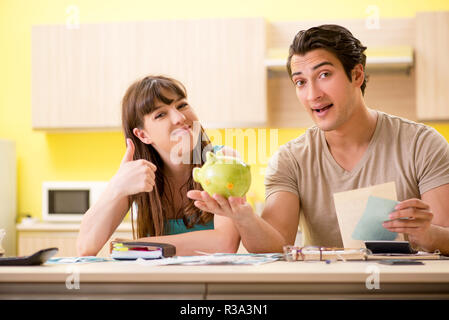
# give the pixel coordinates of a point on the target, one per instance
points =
(133, 176)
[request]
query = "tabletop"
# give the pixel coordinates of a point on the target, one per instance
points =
(278, 280)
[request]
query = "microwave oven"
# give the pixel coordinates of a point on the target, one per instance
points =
(69, 200)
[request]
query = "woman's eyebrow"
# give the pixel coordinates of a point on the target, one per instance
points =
(168, 102)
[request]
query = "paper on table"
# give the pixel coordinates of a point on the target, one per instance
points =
(68, 260)
(214, 259)
(350, 205)
(370, 226)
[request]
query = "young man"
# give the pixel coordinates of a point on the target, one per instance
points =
(350, 147)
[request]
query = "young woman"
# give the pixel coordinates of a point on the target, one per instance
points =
(164, 143)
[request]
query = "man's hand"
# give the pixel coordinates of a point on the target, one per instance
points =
(412, 217)
(233, 207)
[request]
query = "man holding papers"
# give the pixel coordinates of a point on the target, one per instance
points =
(350, 147)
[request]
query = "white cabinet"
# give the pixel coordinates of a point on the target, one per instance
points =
(432, 65)
(79, 76)
(38, 236)
(8, 183)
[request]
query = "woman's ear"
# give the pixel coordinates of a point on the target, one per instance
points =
(142, 135)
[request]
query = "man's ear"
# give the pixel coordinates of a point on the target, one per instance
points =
(358, 75)
(142, 135)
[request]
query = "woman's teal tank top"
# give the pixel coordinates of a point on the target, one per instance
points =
(177, 226)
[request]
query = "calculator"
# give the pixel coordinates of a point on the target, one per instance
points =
(386, 247)
(35, 259)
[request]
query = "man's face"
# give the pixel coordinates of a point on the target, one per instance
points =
(324, 89)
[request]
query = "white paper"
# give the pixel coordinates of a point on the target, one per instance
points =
(213, 259)
(350, 205)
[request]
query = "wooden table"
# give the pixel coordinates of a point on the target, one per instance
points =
(277, 280)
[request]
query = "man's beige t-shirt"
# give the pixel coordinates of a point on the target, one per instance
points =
(413, 155)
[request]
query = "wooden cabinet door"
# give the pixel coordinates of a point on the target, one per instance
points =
(30, 242)
(8, 197)
(79, 76)
(432, 65)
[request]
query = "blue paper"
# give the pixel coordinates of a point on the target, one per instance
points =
(370, 226)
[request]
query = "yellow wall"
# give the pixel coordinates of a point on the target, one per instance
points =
(95, 156)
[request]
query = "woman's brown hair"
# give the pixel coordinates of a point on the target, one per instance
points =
(139, 100)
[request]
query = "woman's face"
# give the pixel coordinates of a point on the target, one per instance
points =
(172, 129)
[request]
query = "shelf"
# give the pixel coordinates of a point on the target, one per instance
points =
(387, 58)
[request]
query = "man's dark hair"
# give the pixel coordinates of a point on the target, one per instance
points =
(335, 39)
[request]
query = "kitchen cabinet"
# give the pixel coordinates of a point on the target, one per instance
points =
(37, 236)
(8, 196)
(234, 69)
(79, 75)
(432, 65)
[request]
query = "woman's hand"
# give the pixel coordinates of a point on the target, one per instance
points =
(133, 176)
(412, 217)
(234, 207)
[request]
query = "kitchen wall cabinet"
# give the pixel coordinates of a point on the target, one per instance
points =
(80, 75)
(234, 69)
(432, 65)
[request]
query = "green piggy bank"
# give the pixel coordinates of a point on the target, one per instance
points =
(224, 175)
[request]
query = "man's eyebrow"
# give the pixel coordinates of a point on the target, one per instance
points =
(322, 64)
(315, 67)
